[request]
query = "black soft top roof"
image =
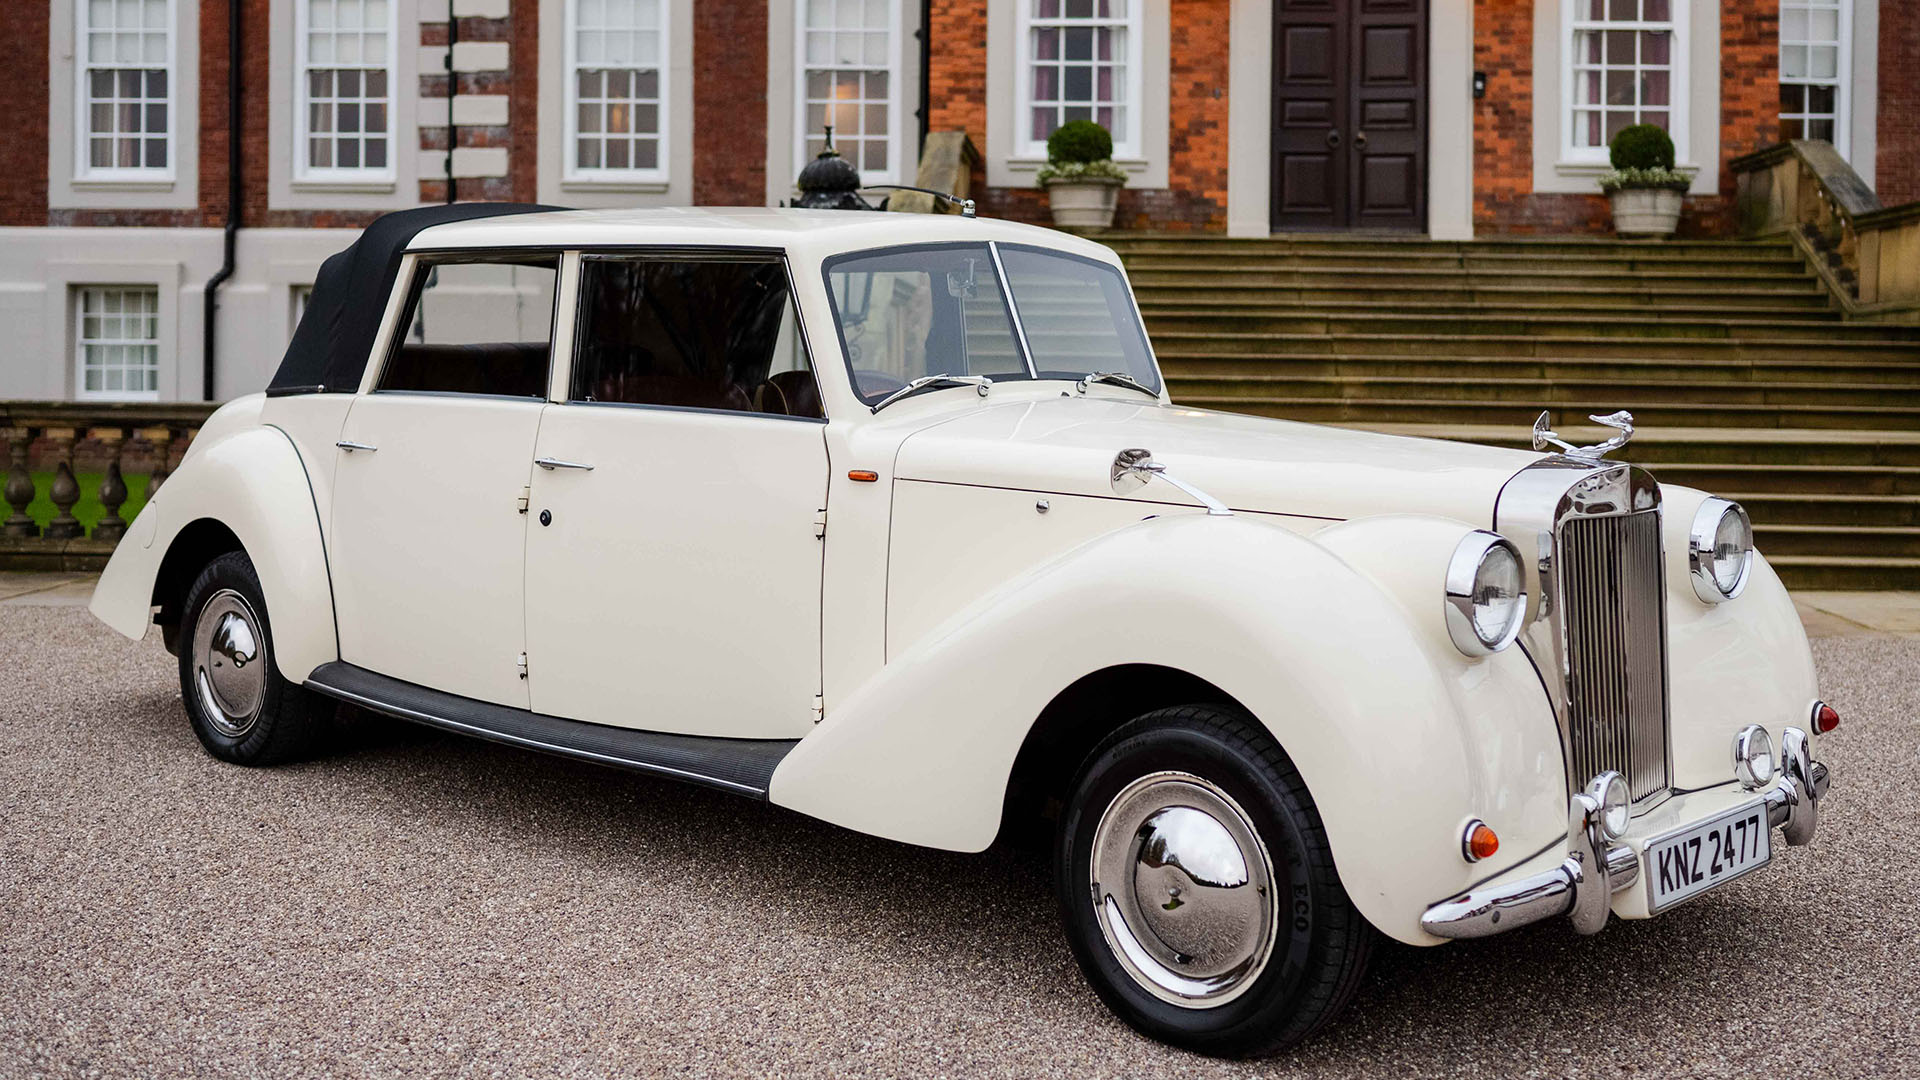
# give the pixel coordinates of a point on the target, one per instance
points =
(330, 347)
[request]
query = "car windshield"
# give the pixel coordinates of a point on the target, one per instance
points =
(905, 313)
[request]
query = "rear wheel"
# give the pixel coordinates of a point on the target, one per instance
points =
(241, 709)
(1198, 889)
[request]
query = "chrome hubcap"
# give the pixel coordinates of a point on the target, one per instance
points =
(229, 664)
(1183, 889)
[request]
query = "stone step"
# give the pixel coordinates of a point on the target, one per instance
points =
(1653, 446)
(1846, 572)
(1281, 275)
(1791, 479)
(1231, 321)
(1189, 339)
(1230, 290)
(1541, 393)
(1470, 263)
(1145, 244)
(1858, 541)
(1591, 310)
(1179, 364)
(1791, 508)
(1650, 413)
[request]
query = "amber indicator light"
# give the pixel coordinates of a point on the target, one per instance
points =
(863, 476)
(1825, 718)
(1481, 842)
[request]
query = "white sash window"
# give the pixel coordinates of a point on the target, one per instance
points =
(1079, 60)
(343, 52)
(1625, 65)
(616, 90)
(849, 75)
(1815, 67)
(126, 50)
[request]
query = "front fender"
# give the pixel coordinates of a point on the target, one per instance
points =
(251, 480)
(923, 751)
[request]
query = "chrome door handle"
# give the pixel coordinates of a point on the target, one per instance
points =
(555, 463)
(350, 446)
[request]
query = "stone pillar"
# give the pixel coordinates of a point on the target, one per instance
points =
(113, 489)
(66, 490)
(19, 488)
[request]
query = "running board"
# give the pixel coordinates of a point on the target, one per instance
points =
(741, 766)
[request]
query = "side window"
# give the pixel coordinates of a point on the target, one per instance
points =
(702, 334)
(477, 326)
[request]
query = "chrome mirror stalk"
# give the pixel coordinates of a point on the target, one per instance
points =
(1132, 468)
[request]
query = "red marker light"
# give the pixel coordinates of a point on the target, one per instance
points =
(1825, 718)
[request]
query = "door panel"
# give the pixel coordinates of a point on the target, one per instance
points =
(677, 587)
(428, 540)
(1349, 114)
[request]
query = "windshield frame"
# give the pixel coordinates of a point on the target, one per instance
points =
(1007, 298)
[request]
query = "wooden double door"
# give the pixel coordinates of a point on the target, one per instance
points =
(1350, 115)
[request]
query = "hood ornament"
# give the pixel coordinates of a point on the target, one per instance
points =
(1622, 422)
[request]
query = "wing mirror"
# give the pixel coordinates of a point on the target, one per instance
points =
(1132, 468)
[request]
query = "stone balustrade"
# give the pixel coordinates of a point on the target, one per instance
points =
(62, 439)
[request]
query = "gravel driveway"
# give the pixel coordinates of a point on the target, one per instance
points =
(425, 905)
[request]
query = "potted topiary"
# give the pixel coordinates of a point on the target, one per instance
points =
(1081, 180)
(1644, 186)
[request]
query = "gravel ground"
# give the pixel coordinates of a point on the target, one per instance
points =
(426, 905)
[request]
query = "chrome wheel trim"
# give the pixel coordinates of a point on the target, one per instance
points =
(1182, 887)
(229, 664)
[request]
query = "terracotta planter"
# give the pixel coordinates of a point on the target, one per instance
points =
(1084, 203)
(1652, 212)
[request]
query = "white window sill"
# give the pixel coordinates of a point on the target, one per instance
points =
(155, 184)
(632, 185)
(370, 187)
(1023, 168)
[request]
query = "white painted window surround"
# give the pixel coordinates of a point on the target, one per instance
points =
(848, 58)
(1623, 62)
(618, 98)
(116, 343)
(1012, 153)
(1816, 71)
(344, 90)
(1079, 60)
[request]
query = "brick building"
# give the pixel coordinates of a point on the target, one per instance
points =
(1448, 118)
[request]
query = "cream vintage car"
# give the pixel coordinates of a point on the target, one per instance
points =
(888, 519)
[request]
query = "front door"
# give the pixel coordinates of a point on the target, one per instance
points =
(1349, 115)
(673, 563)
(428, 540)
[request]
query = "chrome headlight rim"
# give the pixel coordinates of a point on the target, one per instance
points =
(1752, 756)
(1463, 574)
(1610, 793)
(1701, 540)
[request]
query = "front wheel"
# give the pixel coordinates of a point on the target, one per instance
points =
(241, 709)
(1198, 889)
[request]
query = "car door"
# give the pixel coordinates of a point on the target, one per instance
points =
(673, 560)
(428, 538)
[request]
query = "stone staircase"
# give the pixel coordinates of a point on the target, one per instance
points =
(1741, 375)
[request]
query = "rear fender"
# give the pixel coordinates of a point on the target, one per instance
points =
(250, 481)
(1331, 665)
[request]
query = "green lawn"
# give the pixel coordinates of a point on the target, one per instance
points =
(88, 509)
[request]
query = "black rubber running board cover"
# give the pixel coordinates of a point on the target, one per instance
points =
(741, 766)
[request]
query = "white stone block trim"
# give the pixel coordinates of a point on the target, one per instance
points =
(481, 55)
(469, 163)
(469, 110)
(480, 9)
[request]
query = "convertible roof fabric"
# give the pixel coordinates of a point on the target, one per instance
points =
(330, 347)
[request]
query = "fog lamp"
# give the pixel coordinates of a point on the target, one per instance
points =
(1753, 757)
(1616, 804)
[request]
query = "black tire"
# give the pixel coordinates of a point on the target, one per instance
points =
(277, 723)
(1319, 942)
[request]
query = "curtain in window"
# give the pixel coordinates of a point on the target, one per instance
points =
(126, 56)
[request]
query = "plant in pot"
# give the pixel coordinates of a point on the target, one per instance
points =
(1644, 187)
(1081, 180)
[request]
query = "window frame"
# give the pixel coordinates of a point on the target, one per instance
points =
(1842, 77)
(78, 291)
(83, 171)
(687, 253)
(1679, 79)
(1130, 148)
(897, 148)
(570, 170)
(417, 264)
(303, 171)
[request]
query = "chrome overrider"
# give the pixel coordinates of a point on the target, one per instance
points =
(1595, 868)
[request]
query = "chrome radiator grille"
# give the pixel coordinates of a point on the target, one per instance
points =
(1613, 619)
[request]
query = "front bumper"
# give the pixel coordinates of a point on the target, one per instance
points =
(1582, 886)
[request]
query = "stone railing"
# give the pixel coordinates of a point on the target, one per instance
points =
(1868, 254)
(60, 439)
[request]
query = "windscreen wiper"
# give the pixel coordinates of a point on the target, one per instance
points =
(1118, 378)
(943, 379)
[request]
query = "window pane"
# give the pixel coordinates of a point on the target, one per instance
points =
(1077, 316)
(477, 328)
(908, 312)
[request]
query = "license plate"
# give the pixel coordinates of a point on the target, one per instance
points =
(1689, 862)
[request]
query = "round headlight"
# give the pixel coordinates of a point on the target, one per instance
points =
(1616, 806)
(1720, 550)
(1486, 594)
(1753, 757)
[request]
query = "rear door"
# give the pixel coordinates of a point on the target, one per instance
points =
(428, 539)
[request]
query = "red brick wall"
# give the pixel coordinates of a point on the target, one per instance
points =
(1897, 167)
(23, 124)
(730, 102)
(523, 106)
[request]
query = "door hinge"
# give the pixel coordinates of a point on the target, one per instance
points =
(819, 708)
(820, 524)
(526, 496)
(522, 662)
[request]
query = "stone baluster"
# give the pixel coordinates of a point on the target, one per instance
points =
(19, 489)
(113, 489)
(162, 439)
(66, 490)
